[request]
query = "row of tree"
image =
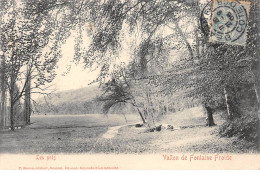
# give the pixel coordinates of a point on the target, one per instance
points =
(213, 74)
(31, 34)
(150, 53)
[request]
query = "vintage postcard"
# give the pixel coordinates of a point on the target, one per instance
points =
(129, 84)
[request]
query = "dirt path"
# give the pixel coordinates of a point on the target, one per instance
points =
(190, 135)
(113, 131)
(196, 139)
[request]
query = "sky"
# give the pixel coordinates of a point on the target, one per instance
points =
(77, 77)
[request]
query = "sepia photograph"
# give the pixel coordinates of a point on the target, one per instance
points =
(129, 84)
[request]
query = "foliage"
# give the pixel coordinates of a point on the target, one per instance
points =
(203, 74)
(111, 18)
(31, 37)
(246, 127)
(217, 67)
(153, 71)
(114, 93)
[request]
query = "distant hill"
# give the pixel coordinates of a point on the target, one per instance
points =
(79, 101)
(73, 96)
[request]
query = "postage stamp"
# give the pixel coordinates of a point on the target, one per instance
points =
(229, 21)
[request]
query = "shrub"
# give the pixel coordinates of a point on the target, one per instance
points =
(246, 127)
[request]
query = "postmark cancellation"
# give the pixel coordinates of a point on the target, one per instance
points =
(229, 21)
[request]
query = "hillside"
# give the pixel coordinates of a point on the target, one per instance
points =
(73, 96)
(79, 101)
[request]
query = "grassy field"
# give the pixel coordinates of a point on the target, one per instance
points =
(84, 134)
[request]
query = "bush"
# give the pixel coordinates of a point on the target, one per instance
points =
(246, 127)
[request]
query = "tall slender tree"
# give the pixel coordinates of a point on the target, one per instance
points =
(27, 28)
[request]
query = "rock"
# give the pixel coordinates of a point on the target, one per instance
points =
(169, 127)
(151, 130)
(139, 125)
(158, 128)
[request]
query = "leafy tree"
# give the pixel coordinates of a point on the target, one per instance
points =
(111, 18)
(220, 68)
(204, 73)
(118, 90)
(27, 29)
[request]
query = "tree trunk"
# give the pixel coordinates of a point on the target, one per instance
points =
(12, 101)
(3, 99)
(230, 116)
(256, 94)
(209, 119)
(27, 102)
(185, 40)
(3, 92)
(150, 109)
(232, 105)
(125, 118)
(12, 115)
(141, 115)
(166, 106)
(196, 30)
